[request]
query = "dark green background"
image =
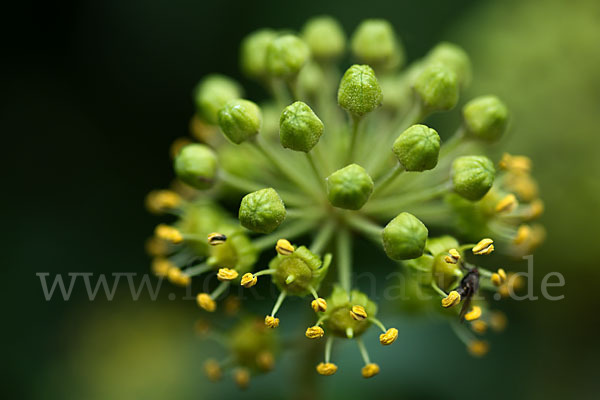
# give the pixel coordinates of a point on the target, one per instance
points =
(94, 93)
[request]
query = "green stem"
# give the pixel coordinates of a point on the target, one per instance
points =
(219, 290)
(344, 250)
(438, 290)
(378, 323)
(196, 269)
(265, 272)
(328, 346)
(385, 180)
(363, 350)
(396, 203)
(290, 231)
(278, 303)
(323, 237)
(289, 172)
(353, 138)
(315, 169)
(366, 227)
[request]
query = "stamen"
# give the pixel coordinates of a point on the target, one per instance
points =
(319, 305)
(226, 274)
(168, 233)
(358, 313)
(484, 247)
(213, 370)
(284, 247)
(327, 368)
(453, 257)
(215, 238)
(370, 370)
(265, 360)
(451, 300)
(271, 321)
(507, 204)
(248, 280)
(479, 326)
(388, 337)
(314, 332)
(206, 302)
(478, 348)
(474, 314)
(242, 378)
(523, 233)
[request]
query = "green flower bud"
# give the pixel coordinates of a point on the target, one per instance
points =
(311, 80)
(286, 55)
(240, 120)
(374, 42)
(296, 273)
(359, 91)
(437, 87)
(404, 237)
(253, 52)
(262, 211)
(325, 37)
(349, 187)
(485, 117)
(454, 58)
(417, 148)
(196, 165)
(212, 93)
(299, 127)
(472, 176)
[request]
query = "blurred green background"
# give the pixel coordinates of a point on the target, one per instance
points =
(96, 91)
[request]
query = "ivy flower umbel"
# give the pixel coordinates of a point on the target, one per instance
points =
(336, 155)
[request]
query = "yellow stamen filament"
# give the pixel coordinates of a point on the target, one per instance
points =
(507, 204)
(484, 247)
(242, 378)
(314, 332)
(498, 321)
(206, 302)
(358, 313)
(327, 369)
(523, 234)
(478, 348)
(156, 247)
(168, 233)
(213, 370)
(319, 305)
(158, 201)
(271, 321)
(161, 266)
(388, 337)
(453, 256)
(284, 247)
(474, 314)
(370, 370)
(536, 209)
(265, 360)
(216, 238)
(227, 274)
(249, 280)
(451, 300)
(515, 163)
(479, 326)
(176, 277)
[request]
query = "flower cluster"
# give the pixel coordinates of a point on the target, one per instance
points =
(303, 169)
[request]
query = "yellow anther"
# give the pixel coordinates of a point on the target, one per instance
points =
(536, 209)
(523, 185)
(177, 145)
(388, 337)
(474, 314)
(249, 280)
(216, 238)
(161, 266)
(523, 234)
(284, 247)
(315, 332)
(168, 233)
(453, 256)
(358, 313)
(370, 370)
(242, 378)
(158, 201)
(227, 274)
(319, 305)
(502, 274)
(478, 348)
(515, 163)
(265, 360)
(176, 277)
(206, 302)
(498, 321)
(479, 326)
(156, 247)
(213, 370)
(327, 369)
(498, 278)
(507, 204)
(271, 321)
(513, 283)
(451, 300)
(484, 247)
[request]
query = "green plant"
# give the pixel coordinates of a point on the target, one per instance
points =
(303, 169)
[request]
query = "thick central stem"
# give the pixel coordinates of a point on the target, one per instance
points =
(344, 256)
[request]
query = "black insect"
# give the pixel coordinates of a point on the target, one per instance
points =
(467, 288)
